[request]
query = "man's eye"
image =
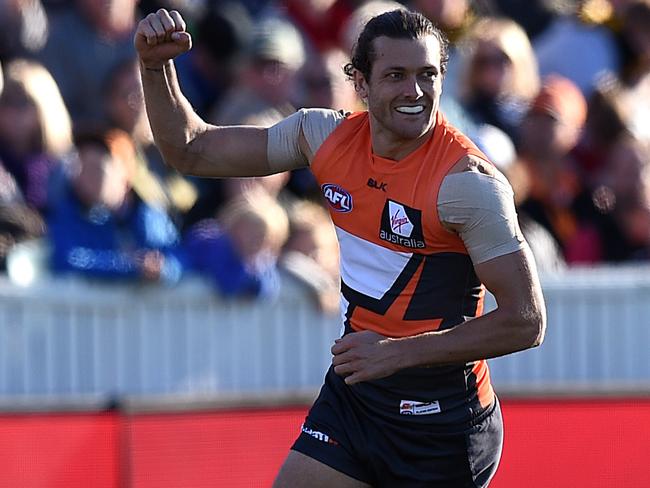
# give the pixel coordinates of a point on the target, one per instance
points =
(429, 74)
(395, 76)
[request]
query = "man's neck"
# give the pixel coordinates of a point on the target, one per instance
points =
(388, 145)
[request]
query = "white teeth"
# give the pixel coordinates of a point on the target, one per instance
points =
(410, 110)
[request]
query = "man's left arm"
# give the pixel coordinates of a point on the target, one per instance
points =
(483, 214)
(517, 323)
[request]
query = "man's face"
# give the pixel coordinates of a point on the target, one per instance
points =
(403, 92)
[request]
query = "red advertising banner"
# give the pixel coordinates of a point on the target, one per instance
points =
(75, 450)
(548, 443)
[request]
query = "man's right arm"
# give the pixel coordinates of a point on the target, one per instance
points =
(187, 142)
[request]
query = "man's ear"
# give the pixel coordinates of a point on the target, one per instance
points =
(360, 84)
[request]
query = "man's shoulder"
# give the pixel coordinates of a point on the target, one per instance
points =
(317, 115)
(318, 125)
(475, 164)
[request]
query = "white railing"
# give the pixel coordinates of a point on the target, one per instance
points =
(598, 335)
(62, 338)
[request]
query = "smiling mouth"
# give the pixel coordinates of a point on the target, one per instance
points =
(411, 110)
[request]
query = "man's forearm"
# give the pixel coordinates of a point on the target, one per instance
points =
(491, 335)
(173, 121)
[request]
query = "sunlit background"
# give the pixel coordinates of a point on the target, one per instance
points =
(166, 331)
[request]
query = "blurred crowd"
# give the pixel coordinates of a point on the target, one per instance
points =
(556, 93)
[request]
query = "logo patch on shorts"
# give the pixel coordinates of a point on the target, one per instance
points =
(319, 436)
(410, 407)
(338, 198)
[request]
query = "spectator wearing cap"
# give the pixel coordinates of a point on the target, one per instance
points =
(261, 95)
(266, 84)
(555, 193)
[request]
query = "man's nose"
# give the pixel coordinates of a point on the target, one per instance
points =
(412, 88)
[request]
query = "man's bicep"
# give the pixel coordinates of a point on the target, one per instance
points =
(231, 151)
(512, 279)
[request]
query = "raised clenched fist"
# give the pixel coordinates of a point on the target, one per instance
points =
(161, 36)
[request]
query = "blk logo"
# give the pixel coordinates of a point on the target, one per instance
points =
(338, 198)
(402, 225)
(372, 183)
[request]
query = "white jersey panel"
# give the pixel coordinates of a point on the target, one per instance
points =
(344, 305)
(367, 267)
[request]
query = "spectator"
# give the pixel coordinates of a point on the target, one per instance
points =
(217, 193)
(499, 76)
(452, 16)
(310, 254)
(636, 78)
(323, 84)
(100, 228)
(153, 181)
(23, 28)
(636, 35)
(498, 147)
(558, 197)
(9, 192)
(238, 250)
(627, 171)
(608, 117)
(85, 42)
(623, 199)
(35, 132)
(533, 15)
(18, 223)
(263, 91)
(579, 51)
(320, 21)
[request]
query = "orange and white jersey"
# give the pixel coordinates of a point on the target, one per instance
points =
(402, 272)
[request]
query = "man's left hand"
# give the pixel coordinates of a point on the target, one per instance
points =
(366, 355)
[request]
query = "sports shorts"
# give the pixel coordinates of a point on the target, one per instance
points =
(388, 451)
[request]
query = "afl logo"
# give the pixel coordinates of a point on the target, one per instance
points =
(338, 198)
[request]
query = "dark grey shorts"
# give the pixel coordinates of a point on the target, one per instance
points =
(385, 452)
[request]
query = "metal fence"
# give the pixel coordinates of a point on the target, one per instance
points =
(63, 338)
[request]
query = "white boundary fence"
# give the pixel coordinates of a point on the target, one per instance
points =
(62, 338)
